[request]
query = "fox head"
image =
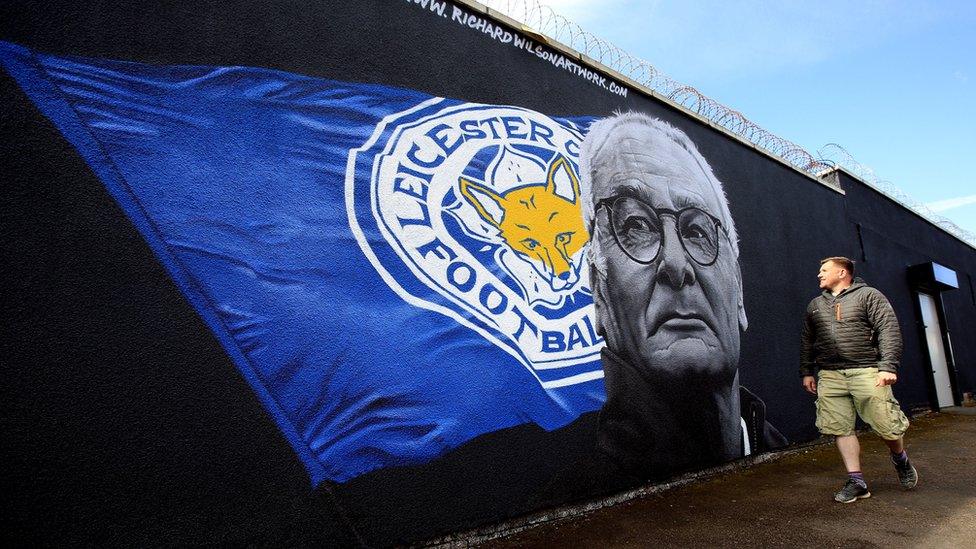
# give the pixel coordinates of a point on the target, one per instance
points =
(539, 225)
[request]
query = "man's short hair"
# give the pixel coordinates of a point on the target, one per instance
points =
(842, 262)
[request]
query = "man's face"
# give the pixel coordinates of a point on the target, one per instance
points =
(673, 315)
(830, 275)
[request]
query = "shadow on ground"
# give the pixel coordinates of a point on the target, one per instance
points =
(788, 502)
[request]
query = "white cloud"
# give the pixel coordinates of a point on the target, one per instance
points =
(951, 203)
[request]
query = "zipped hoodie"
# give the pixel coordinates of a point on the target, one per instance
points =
(857, 328)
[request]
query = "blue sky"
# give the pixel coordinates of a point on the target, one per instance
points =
(893, 82)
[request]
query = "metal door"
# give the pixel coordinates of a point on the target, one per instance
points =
(937, 353)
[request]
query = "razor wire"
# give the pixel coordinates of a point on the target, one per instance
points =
(838, 155)
(539, 18)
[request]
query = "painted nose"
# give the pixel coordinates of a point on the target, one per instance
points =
(558, 264)
(674, 268)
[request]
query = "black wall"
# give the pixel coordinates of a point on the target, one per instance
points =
(124, 422)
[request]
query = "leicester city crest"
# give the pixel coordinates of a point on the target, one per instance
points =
(478, 210)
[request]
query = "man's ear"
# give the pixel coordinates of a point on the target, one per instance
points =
(741, 305)
(599, 300)
(606, 321)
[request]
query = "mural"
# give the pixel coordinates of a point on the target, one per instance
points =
(339, 241)
(396, 274)
(668, 292)
(370, 288)
(480, 205)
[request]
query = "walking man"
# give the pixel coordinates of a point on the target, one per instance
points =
(851, 346)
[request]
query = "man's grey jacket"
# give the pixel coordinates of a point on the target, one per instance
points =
(857, 328)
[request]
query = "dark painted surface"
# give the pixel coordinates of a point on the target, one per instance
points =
(125, 423)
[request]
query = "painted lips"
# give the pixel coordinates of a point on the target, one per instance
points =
(681, 322)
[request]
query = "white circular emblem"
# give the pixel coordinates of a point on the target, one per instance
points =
(480, 208)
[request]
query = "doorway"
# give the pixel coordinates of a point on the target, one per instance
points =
(935, 341)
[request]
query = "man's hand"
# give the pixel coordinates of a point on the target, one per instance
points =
(886, 378)
(810, 384)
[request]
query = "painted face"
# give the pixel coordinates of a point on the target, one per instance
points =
(672, 287)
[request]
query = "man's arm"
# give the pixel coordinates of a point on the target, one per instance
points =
(883, 320)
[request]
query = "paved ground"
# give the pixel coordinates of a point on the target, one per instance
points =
(788, 502)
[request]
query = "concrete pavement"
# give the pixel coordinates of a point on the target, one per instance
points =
(788, 502)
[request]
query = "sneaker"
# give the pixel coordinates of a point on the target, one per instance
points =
(907, 475)
(851, 492)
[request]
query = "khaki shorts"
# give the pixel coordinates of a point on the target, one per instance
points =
(842, 392)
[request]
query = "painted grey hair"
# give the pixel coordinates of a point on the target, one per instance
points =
(600, 140)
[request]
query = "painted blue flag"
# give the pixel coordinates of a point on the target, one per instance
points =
(393, 273)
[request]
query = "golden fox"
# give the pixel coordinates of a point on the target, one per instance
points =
(537, 223)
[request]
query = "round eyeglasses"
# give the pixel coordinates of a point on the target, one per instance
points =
(639, 232)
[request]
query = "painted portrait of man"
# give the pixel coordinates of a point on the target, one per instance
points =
(667, 288)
